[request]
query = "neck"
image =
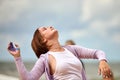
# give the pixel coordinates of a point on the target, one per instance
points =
(55, 47)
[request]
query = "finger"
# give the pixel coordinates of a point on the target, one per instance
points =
(107, 74)
(8, 46)
(99, 71)
(16, 45)
(107, 71)
(18, 49)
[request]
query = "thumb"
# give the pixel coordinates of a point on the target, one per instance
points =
(99, 71)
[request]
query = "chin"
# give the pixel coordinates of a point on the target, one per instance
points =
(55, 32)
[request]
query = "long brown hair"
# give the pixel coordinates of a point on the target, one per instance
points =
(38, 46)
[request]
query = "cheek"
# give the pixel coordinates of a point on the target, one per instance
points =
(52, 35)
(47, 35)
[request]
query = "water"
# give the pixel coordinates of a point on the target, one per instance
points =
(9, 69)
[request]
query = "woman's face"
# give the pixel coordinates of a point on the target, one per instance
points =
(48, 33)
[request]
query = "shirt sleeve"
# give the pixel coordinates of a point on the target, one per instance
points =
(87, 53)
(34, 74)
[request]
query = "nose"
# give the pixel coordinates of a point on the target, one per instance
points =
(50, 27)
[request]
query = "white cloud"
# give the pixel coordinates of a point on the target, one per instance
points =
(116, 38)
(79, 33)
(11, 9)
(99, 9)
(19, 39)
(102, 18)
(99, 27)
(59, 7)
(105, 29)
(97, 18)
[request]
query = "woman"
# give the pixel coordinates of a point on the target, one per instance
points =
(58, 63)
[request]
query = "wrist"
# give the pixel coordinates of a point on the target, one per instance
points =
(16, 56)
(103, 60)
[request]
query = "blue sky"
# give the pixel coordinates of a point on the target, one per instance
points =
(90, 23)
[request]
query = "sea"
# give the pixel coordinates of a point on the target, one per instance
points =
(91, 69)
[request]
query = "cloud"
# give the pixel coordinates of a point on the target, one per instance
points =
(86, 20)
(108, 30)
(59, 7)
(79, 33)
(99, 9)
(116, 38)
(11, 9)
(101, 18)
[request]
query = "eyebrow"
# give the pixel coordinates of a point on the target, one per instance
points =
(43, 28)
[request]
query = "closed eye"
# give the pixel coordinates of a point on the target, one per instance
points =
(44, 28)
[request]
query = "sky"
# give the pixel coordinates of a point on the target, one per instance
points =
(90, 23)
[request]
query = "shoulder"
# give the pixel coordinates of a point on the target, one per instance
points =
(42, 57)
(42, 60)
(72, 48)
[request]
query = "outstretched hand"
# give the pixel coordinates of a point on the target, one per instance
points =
(15, 53)
(105, 70)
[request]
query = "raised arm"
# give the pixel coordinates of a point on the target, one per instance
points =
(87, 53)
(35, 73)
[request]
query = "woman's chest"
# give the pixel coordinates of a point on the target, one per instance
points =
(65, 62)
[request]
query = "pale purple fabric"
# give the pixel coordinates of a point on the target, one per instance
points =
(42, 66)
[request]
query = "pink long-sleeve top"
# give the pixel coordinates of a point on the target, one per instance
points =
(42, 65)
